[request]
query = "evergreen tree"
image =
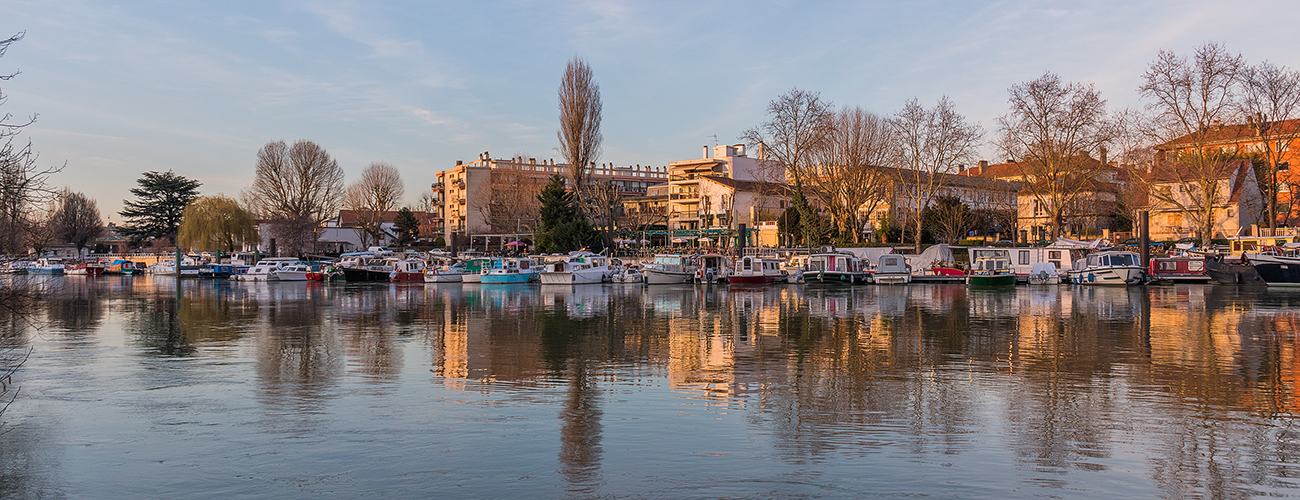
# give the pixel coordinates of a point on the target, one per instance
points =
(408, 226)
(159, 206)
(562, 227)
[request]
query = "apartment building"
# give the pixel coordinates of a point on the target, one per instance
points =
(499, 196)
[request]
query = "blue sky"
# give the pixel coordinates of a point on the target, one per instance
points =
(198, 87)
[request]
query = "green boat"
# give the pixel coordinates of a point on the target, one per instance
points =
(991, 272)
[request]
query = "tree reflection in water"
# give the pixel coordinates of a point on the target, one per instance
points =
(1049, 391)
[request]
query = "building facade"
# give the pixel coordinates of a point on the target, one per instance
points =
(498, 196)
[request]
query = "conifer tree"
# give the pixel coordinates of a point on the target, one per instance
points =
(160, 206)
(562, 227)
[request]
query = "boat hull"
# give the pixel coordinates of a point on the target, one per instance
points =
(405, 277)
(1224, 272)
(1110, 276)
(443, 277)
(584, 277)
(291, 275)
(1280, 272)
(891, 278)
(506, 279)
(836, 277)
(1000, 280)
(364, 275)
(653, 277)
(751, 280)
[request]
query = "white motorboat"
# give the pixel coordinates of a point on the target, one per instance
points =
(716, 268)
(892, 269)
(579, 268)
(1044, 273)
(1108, 268)
(751, 270)
(265, 269)
(668, 269)
(296, 271)
(629, 274)
(445, 274)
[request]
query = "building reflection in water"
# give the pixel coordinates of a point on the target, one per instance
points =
(1063, 379)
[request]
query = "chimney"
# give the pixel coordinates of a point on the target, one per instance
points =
(979, 169)
(1103, 156)
(458, 163)
(706, 151)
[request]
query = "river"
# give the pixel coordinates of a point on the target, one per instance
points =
(131, 389)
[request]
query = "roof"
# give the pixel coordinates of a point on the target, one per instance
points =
(1232, 134)
(958, 179)
(1236, 171)
(755, 186)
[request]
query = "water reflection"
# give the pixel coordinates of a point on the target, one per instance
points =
(1055, 390)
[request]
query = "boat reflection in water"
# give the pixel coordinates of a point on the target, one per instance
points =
(658, 391)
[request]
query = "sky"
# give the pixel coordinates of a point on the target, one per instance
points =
(125, 87)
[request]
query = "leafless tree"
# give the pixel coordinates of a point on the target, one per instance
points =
(510, 204)
(580, 111)
(376, 192)
(845, 175)
(297, 188)
(604, 202)
(77, 220)
(24, 187)
(797, 123)
(1270, 95)
(1051, 134)
(1189, 99)
(932, 143)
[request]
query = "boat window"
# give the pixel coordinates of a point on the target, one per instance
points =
(1054, 255)
(746, 263)
(1168, 265)
(1024, 257)
(1092, 260)
(1196, 265)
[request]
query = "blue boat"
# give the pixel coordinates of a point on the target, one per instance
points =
(513, 270)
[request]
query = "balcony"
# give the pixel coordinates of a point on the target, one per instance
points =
(684, 196)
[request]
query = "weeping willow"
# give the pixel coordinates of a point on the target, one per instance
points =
(216, 223)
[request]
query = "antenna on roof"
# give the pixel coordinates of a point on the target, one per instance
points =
(715, 139)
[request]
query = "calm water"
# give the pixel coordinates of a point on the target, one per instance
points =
(287, 390)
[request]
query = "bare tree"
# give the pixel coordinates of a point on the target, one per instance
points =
(23, 182)
(1189, 99)
(846, 176)
(377, 192)
(1051, 134)
(932, 143)
(580, 111)
(1270, 95)
(797, 123)
(297, 188)
(510, 205)
(77, 220)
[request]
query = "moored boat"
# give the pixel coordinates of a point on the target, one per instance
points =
(1044, 273)
(1113, 267)
(84, 269)
(841, 268)
(578, 268)
(1178, 270)
(1278, 267)
(295, 271)
(1231, 271)
(48, 266)
(667, 269)
(511, 271)
(474, 269)
(265, 269)
(892, 269)
(751, 270)
(408, 271)
(991, 272)
(444, 274)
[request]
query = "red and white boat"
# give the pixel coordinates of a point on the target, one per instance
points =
(1179, 269)
(752, 270)
(408, 271)
(85, 269)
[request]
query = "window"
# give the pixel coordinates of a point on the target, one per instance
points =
(1024, 257)
(1054, 254)
(1196, 266)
